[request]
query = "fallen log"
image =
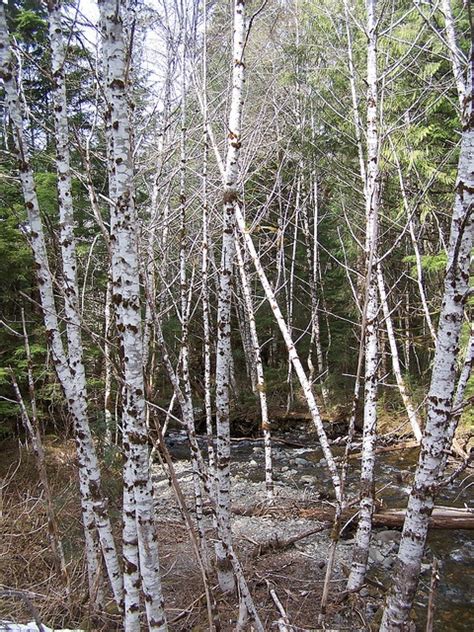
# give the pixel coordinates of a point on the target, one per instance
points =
(405, 445)
(441, 518)
(288, 442)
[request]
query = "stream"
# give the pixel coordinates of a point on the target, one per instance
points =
(304, 468)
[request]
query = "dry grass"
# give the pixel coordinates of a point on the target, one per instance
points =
(26, 562)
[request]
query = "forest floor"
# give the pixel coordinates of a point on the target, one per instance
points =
(271, 545)
(270, 539)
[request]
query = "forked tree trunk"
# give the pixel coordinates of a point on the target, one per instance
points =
(69, 264)
(438, 429)
(139, 535)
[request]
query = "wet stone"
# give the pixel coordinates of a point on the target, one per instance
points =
(388, 536)
(301, 462)
(376, 556)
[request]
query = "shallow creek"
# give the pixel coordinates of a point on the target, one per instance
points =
(304, 468)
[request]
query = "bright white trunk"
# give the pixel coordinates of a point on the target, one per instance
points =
(68, 255)
(224, 351)
(416, 250)
(93, 506)
(439, 428)
(360, 554)
(291, 292)
(261, 387)
(297, 364)
(312, 257)
(454, 52)
(139, 528)
(185, 295)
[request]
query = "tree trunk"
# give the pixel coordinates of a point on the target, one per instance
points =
(411, 412)
(223, 353)
(139, 537)
(261, 387)
(364, 528)
(438, 429)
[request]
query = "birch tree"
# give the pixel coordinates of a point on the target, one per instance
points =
(364, 528)
(224, 351)
(141, 562)
(439, 430)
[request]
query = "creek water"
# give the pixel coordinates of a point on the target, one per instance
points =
(454, 549)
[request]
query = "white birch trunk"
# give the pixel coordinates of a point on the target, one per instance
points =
(290, 290)
(364, 529)
(140, 540)
(224, 351)
(108, 407)
(439, 428)
(68, 255)
(465, 371)
(455, 54)
(312, 257)
(185, 297)
(205, 263)
(416, 250)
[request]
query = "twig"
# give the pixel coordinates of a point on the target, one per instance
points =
(187, 610)
(283, 622)
(432, 597)
(283, 544)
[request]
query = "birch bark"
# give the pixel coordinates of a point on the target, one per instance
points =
(293, 354)
(69, 264)
(139, 535)
(438, 429)
(261, 388)
(185, 295)
(364, 528)
(411, 412)
(312, 257)
(454, 52)
(205, 262)
(224, 351)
